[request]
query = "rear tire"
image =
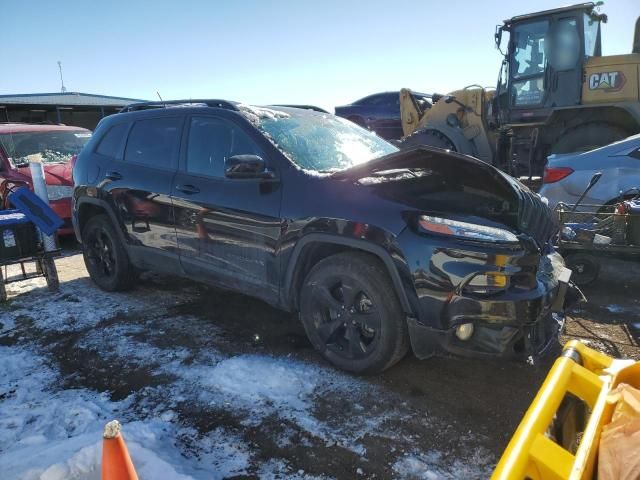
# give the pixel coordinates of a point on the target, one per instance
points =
(105, 257)
(588, 137)
(352, 315)
(428, 137)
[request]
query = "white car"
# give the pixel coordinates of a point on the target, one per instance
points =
(566, 176)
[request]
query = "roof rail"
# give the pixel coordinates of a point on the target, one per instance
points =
(132, 107)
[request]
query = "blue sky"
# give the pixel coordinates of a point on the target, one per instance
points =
(325, 52)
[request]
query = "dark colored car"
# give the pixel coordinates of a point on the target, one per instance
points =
(376, 249)
(57, 144)
(379, 113)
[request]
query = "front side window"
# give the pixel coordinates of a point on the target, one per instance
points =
(212, 141)
(53, 146)
(154, 142)
(528, 62)
(316, 141)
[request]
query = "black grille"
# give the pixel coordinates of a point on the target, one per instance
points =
(534, 217)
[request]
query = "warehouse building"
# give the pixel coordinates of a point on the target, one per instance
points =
(70, 108)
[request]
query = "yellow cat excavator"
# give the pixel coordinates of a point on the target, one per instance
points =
(556, 93)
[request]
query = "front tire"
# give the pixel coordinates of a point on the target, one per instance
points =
(352, 315)
(105, 257)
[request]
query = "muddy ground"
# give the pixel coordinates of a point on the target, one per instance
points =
(451, 410)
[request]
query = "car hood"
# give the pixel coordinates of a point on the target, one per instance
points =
(439, 182)
(54, 173)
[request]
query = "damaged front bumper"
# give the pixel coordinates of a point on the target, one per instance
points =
(520, 325)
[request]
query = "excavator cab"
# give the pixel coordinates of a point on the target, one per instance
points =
(543, 62)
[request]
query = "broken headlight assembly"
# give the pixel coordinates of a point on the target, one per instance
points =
(465, 230)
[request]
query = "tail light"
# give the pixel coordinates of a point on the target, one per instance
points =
(555, 174)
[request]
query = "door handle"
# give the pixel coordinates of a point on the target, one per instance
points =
(113, 176)
(188, 189)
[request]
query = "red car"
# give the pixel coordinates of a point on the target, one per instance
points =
(58, 145)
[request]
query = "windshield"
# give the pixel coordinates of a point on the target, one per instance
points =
(320, 142)
(54, 146)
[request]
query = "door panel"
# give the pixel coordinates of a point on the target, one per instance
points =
(140, 186)
(227, 229)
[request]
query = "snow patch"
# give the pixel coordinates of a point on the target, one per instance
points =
(255, 114)
(432, 466)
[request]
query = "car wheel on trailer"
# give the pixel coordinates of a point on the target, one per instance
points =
(352, 315)
(105, 257)
(585, 268)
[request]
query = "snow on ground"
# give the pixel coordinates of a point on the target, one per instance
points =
(51, 419)
(429, 466)
(50, 434)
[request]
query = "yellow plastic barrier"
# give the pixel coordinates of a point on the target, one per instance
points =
(587, 374)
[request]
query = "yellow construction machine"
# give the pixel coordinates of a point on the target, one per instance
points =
(556, 93)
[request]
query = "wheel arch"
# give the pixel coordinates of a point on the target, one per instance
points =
(313, 247)
(88, 207)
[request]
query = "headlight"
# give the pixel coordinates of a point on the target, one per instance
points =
(58, 192)
(469, 231)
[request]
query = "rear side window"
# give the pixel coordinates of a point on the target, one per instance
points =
(112, 142)
(154, 142)
(212, 141)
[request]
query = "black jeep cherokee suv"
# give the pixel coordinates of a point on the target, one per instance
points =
(376, 249)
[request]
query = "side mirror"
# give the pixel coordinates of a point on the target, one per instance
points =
(246, 166)
(498, 37)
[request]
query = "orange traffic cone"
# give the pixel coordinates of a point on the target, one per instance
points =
(116, 462)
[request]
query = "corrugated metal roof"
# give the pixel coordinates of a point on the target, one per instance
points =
(66, 99)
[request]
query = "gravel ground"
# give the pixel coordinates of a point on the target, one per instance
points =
(209, 383)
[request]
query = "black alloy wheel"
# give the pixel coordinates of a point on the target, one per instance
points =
(100, 254)
(352, 315)
(346, 319)
(105, 257)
